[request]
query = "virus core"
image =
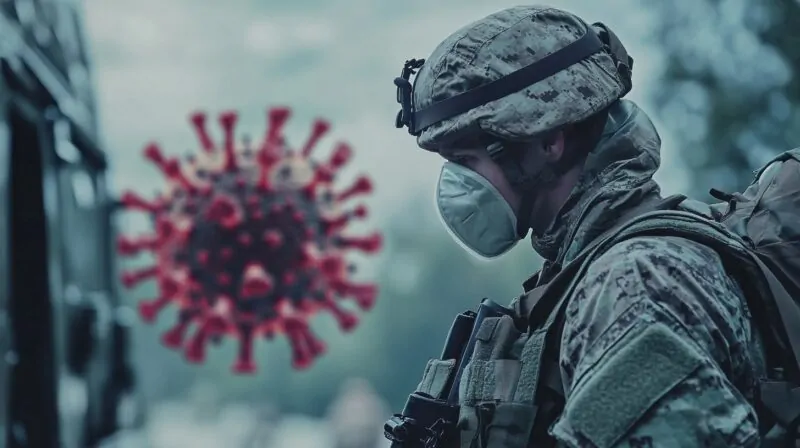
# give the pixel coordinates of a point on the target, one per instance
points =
(248, 241)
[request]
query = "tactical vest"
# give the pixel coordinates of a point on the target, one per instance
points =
(511, 390)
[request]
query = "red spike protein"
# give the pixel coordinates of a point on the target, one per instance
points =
(248, 242)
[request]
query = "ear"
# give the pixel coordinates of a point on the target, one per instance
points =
(553, 146)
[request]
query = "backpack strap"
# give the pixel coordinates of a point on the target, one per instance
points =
(786, 306)
(558, 284)
(778, 396)
(717, 237)
(547, 303)
(782, 398)
(543, 308)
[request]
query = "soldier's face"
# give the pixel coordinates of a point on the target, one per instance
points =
(547, 201)
(477, 159)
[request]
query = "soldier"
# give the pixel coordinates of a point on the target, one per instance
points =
(657, 346)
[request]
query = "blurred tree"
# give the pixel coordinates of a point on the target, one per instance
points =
(730, 92)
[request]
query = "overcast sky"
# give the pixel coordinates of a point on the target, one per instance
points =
(155, 61)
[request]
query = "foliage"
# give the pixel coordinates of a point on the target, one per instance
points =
(729, 89)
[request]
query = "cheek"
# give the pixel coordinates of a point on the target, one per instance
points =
(492, 172)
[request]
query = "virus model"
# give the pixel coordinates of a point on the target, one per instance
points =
(248, 242)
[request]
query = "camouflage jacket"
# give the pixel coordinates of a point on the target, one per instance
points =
(642, 295)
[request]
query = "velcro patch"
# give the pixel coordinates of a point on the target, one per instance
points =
(489, 381)
(434, 379)
(648, 366)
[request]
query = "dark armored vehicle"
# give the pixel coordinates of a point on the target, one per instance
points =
(64, 372)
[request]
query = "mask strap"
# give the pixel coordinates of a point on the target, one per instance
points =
(544, 175)
(525, 209)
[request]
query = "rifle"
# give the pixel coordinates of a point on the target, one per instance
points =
(431, 422)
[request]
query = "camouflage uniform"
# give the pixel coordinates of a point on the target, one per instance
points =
(647, 285)
(648, 282)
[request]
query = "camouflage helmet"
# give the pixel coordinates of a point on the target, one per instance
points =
(515, 74)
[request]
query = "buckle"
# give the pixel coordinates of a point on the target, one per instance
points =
(405, 117)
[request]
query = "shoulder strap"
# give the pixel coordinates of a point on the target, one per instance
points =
(531, 302)
(778, 395)
(781, 398)
(716, 236)
(543, 307)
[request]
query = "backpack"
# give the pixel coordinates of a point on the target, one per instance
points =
(757, 235)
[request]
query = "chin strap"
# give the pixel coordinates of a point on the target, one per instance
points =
(525, 209)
